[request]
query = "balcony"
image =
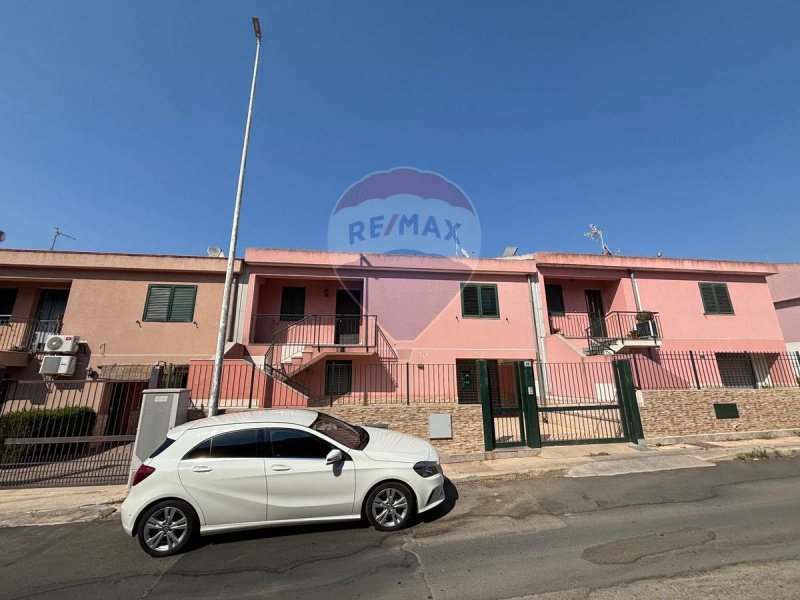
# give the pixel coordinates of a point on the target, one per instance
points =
(621, 331)
(19, 336)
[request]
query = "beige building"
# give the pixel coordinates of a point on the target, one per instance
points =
(127, 309)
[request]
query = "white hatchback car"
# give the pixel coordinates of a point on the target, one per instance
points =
(277, 467)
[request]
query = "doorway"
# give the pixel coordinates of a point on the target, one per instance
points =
(597, 313)
(348, 317)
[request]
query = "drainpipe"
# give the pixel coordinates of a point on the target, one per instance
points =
(635, 292)
(538, 331)
(232, 299)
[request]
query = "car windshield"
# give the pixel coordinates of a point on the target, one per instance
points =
(348, 435)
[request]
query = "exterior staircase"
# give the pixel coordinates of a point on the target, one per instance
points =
(619, 332)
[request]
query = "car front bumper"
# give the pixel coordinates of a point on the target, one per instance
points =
(431, 493)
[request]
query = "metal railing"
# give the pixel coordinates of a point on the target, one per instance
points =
(621, 326)
(569, 324)
(694, 369)
(25, 335)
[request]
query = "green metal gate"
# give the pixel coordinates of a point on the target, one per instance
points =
(508, 398)
(587, 403)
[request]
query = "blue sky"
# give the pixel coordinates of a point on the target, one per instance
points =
(673, 125)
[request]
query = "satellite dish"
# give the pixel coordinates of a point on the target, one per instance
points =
(464, 253)
(214, 252)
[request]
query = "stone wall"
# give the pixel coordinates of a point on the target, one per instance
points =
(668, 413)
(413, 419)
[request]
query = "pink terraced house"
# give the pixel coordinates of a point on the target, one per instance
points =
(708, 322)
(375, 327)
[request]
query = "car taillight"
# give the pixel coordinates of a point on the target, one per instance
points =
(142, 473)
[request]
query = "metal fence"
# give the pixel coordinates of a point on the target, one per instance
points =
(57, 433)
(707, 369)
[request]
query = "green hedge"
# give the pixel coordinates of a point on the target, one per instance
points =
(35, 423)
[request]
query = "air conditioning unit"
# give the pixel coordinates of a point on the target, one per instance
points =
(57, 365)
(62, 344)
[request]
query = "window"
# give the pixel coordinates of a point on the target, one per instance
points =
(236, 444)
(716, 300)
(555, 298)
(164, 445)
(8, 296)
(479, 300)
(735, 370)
(170, 303)
(293, 303)
(338, 377)
(344, 433)
(293, 443)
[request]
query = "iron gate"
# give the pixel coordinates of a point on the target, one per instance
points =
(506, 391)
(587, 403)
(59, 433)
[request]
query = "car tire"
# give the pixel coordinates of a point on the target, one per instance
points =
(390, 506)
(167, 528)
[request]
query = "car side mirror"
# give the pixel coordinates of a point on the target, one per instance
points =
(334, 456)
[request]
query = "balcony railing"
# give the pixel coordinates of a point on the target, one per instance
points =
(569, 324)
(25, 335)
(622, 326)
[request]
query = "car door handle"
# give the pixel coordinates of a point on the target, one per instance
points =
(202, 469)
(281, 468)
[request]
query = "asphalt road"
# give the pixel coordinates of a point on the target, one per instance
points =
(731, 530)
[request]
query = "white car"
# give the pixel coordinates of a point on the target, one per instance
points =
(277, 467)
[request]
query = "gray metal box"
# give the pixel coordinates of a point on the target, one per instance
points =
(440, 426)
(161, 411)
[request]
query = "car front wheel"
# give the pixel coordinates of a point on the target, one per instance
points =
(166, 528)
(390, 506)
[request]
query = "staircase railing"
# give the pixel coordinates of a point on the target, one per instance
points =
(621, 326)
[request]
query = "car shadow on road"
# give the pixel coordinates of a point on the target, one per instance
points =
(451, 497)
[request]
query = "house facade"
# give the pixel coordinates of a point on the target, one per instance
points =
(704, 322)
(127, 310)
(785, 288)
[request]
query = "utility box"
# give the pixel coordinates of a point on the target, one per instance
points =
(161, 411)
(440, 426)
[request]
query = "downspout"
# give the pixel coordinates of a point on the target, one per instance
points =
(538, 332)
(635, 292)
(233, 298)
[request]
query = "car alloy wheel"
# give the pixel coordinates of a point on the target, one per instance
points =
(166, 528)
(390, 506)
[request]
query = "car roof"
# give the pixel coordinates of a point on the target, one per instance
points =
(294, 416)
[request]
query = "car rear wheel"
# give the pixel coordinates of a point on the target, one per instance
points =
(390, 506)
(166, 528)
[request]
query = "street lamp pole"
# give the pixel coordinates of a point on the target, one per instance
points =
(213, 400)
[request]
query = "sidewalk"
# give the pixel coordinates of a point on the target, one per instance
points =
(615, 459)
(55, 506)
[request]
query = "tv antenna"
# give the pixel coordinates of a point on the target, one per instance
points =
(58, 233)
(595, 233)
(215, 252)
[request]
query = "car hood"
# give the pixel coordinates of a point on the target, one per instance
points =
(394, 446)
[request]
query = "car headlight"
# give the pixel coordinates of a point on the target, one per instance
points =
(427, 468)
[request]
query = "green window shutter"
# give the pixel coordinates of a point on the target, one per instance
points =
(156, 308)
(293, 303)
(182, 307)
(470, 304)
(338, 377)
(724, 304)
(489, 301)
(716, 300)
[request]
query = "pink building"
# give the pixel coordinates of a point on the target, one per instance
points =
(374, 327)
(706, 322)
(785, 289)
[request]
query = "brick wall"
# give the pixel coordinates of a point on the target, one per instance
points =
(668, 413)
(413, 419)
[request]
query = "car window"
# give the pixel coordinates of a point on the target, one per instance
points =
(236, 444)
(164, 445)
(342, 432)
(292, 443)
